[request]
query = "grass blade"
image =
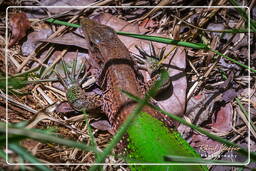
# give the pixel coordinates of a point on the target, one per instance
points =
(27, 156)
(31, 133)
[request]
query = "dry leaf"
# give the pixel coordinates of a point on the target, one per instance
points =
(30, 44)
(68, 39)
(64, 107)
(19, 26)
(205, 145)
(223, 121)
(103, 125)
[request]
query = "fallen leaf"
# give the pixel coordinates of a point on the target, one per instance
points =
(30, 44)
(223, 121)
(68, 39)
(199, 108)
(64, 107)
(148, 23)
(103, 125)
(19, 26)
(229, 95)
(41, 13)
(213, 26)
(204, 145)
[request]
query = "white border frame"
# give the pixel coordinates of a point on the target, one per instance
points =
(92, 164)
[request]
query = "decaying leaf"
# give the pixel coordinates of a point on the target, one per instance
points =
(64, 107)
(19, 26)
(223, 121)
(103, 125)
(31, 43)
(68, 39)
(205, 145)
